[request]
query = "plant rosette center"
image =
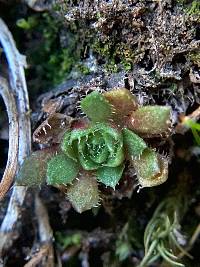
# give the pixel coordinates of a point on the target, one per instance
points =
(97, 148)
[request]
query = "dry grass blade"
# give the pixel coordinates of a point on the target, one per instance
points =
(194, 116)
(11, 165)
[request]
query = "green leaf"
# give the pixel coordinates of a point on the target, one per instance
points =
(33, 170)
(195, 128)
(66, 240)
(61, 170)
(150, 120)
(68, 147)
(117, 157)
(83, 194)
(96, 107)
(27, 24)
(147, 166)
(123, 250)
(110, 176)
(123, 101)
(133, 143)
(86, 162)
(151, 168)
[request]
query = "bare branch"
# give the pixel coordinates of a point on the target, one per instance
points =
(16, 63)
(45, 231)
(46, 253)
(11, 165)
(38, 257)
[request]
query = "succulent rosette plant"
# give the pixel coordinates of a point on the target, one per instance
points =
(110, 138)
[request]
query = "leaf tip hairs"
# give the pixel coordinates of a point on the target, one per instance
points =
(61, 169)
(150, 120)
(151, 168)
(33, 170)
(96, 107)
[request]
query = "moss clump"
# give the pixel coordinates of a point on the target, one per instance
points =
(56, 50)
(195, 58)
(194, 8)
(116, 56)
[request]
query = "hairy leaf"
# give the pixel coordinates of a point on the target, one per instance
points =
(110, 176)
(151, 168)
(133, 143)
(33, 169)
(96, 107)
(61, 170)
(150, 120)
(123, 101)
(83, 194)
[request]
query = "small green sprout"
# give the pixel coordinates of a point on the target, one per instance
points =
(123, 245)
(27, 24)
(68, 240)
(194, 8)
(97, 150)
(195, 128)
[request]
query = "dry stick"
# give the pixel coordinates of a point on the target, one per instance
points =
(12, 161)
(191, 242)
(46, 236)
(38, 257)
(16, 63)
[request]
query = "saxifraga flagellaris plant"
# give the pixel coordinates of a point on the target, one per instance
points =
(97, 148)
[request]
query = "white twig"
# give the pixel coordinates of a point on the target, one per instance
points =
(16, 63)
(45, 231)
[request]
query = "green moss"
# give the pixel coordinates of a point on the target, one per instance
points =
(173, 87)
(50, 59)
(116, 56)
(83, 69)
(195, 57)
(111, 67)
(194, 8)
(182, 2)
(127, 65)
